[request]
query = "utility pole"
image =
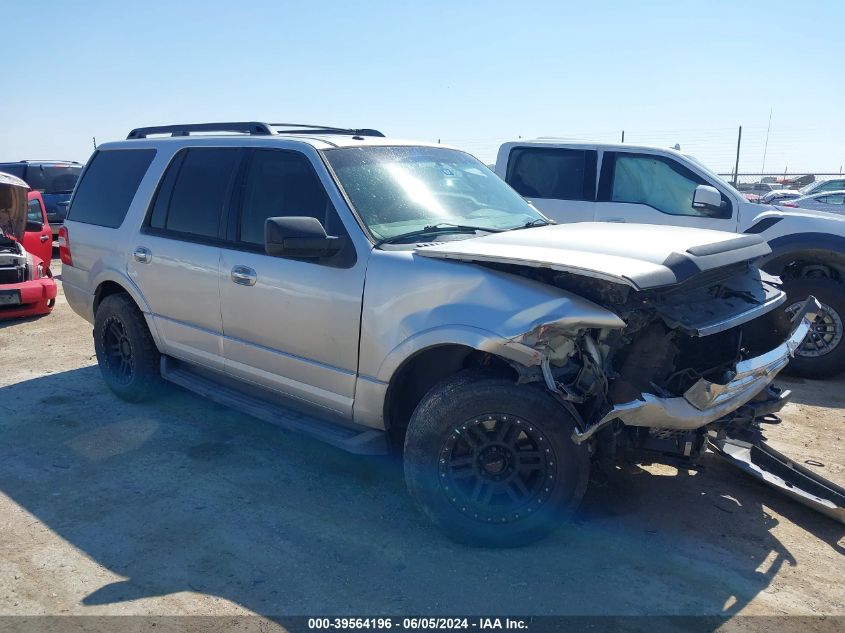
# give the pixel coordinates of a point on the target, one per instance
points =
(736, 166)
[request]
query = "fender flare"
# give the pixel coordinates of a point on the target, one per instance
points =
(467, 336)
(786, 247)
(125, 282)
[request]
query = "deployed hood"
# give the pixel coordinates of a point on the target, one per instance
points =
(13, 205)
(639, 255)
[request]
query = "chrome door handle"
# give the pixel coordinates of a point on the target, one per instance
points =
(44, 238)
(244, 276)
(142, 255)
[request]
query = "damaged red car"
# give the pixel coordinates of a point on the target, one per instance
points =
(27, 287)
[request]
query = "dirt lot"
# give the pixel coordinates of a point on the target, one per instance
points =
(184, 507)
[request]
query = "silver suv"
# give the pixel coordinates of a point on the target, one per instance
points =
(377, 293)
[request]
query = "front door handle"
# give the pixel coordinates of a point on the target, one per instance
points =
(244, 276)
(142, 255)
(44, 238)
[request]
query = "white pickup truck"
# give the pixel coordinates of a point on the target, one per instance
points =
(590, 182)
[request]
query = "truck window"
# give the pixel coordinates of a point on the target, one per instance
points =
(659, 182)
(281, 184)
(33, 212)
(108, 186)
(553, 173)
(194, 192)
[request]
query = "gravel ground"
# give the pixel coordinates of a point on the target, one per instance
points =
(184, 507)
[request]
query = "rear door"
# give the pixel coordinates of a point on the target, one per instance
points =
(39, 243)
(648, 188)
(176, 257)
(559, 181)
(291, 325)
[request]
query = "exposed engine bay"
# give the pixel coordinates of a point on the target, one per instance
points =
(692, 358)
(15, 263)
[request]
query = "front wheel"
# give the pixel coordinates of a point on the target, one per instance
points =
(492, 463)
(823, 352)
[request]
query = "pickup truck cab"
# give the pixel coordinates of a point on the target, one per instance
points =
(591, 182)
(373, 292)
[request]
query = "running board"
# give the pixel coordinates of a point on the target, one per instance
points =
(361, 440)
(794, 480)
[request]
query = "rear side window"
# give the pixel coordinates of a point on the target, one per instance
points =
(108, 186)
(195, 191)
(553, 173)
(15, 169)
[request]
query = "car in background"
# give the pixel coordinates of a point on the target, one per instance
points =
(53, 179)
(819, 186)
(27, 287)
(829, 201)
(38, 235)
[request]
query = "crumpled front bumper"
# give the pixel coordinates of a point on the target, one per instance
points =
(707, 401)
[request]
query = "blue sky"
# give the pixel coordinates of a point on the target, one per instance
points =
(472, 74)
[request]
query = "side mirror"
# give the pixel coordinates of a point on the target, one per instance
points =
(34, 227)
(707, 197)
(299, 237)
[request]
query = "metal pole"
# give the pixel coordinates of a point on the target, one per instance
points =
(736, 167)
(766, 146)
(623, 136)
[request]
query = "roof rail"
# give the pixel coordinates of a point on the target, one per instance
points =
(254, 128)
(304, 128)
(244, 127)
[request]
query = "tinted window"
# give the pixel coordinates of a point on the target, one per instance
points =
(830, 185)
(33, 212)
(15, 169)
(194, 191)
(835, 198)
(280, 184)
(106, 191)
(560, 174)
(658, 182)
(52, 178)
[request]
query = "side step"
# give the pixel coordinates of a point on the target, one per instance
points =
(361, 440)
(763, 462)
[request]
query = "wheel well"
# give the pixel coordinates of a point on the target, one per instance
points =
(421, 372)
(104, 290)
(811, 263)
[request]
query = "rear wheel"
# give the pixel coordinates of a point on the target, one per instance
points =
(492, 463)
(823, 352)
(126, 353)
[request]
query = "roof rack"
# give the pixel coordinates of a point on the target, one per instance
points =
(253, 128)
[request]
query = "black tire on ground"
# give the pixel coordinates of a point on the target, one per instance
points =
(128, 358)
(823, 353)
(491, 463)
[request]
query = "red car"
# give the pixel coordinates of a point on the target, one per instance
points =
(27, 287)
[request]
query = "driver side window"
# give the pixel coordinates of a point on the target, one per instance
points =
(33, 212)
(661, 183)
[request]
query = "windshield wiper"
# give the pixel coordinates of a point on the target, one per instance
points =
(436, 229)
(534, 222)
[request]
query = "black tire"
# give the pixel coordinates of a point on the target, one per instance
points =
(479, 508)
(814, 359)
(128, 358)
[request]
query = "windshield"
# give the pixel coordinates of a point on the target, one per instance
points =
(52, 178)
(398, 190)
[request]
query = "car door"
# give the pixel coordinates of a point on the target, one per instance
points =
(559, 181)
(176, 257)
(291, 326)
(39, 243)
(651, 188)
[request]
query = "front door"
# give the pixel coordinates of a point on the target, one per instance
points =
(290, 326)
(655, 189)
(39, 243)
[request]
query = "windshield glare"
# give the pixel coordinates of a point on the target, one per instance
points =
(396, 190)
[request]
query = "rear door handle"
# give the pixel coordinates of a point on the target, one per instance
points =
(142, 255)
(44, 238)
(244, 276)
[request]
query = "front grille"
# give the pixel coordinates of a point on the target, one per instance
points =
(13, 275)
